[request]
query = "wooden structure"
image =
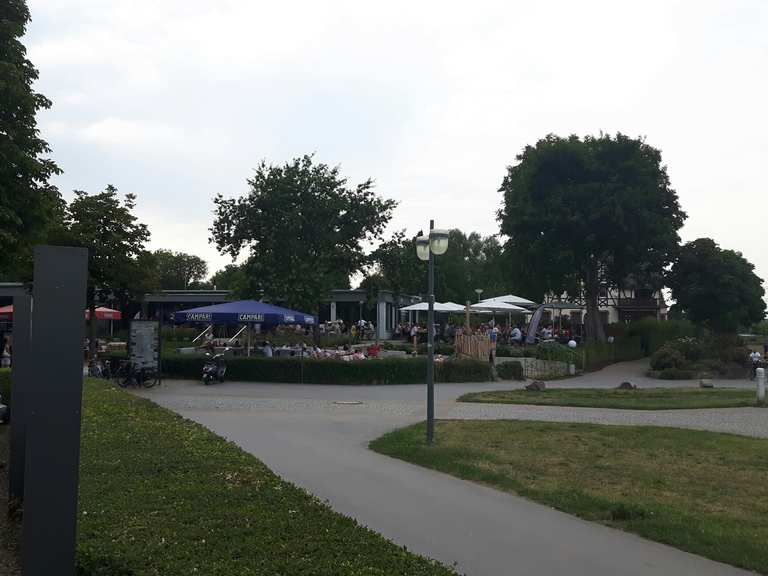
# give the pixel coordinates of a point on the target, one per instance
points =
(473, 346)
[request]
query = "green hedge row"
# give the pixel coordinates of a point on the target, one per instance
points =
(311, 371)
(510, 371)
(5, 385)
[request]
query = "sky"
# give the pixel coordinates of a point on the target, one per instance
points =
(179, 100)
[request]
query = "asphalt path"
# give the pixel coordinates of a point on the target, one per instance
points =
(317, 437)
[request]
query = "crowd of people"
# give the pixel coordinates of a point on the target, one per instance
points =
(505, 334)
(359, 330)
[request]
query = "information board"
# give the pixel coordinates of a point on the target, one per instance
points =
(144, 344)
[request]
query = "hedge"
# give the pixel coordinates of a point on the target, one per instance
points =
(510, 370)
(326, 371)
(5, 385)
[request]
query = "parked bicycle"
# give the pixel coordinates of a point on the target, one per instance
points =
(129, 375)
(99, 369)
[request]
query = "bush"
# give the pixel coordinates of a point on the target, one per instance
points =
(510, 371)
(653, 334)
(667, 357)
(311, 371)
(676, 374)
(5, 385)
(597, 355)
(444, 349)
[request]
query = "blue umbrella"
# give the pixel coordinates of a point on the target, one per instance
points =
(243, 312)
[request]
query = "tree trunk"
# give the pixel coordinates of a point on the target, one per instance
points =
(592, 322)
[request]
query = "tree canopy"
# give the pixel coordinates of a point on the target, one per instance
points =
(471, 262)
(28, 201)
(304, 228)
(115, 240)
(580, 214)
(178, 270)
(716, 287)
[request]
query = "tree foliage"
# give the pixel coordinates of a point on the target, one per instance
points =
(581, 214)
(179, 271)
(231, 277)
(28, 201)
(716, 287)
(107, 227)
(471, 262)
(304, 228)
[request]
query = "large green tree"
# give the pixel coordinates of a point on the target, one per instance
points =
(716, 287)
(28, 201)
(115, 239)
(231, 277)
(304, 228)
(471, 262)
(581, 214)
(178, 270)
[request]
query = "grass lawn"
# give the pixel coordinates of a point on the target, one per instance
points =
(161, 495)
(703, 492)
(642, 399)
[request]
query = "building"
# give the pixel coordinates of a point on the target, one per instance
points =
(615, 305)
(352, 305)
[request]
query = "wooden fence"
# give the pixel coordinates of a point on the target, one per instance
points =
(473, 346)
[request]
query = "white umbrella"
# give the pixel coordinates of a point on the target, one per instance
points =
(497, 307)
(510, 299)
(424, 306)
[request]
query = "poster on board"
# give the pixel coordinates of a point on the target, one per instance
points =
(144, 344)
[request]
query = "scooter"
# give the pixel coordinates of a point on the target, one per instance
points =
(214, 368)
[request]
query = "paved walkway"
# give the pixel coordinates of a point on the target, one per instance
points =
(303, 434)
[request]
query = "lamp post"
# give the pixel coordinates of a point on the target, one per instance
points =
(426, 249)
(478, 291)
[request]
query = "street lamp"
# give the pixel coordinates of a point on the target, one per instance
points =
(478, 291)
(426, 249)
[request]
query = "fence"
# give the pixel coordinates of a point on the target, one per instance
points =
(473, 346)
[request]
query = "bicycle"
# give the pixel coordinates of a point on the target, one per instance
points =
(128, 375)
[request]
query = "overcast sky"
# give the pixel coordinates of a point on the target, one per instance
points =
(177, 100)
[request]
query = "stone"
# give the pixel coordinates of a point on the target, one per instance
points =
(536, 386)
(626, 386)
(706, 383)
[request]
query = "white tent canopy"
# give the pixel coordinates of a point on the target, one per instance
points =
(510, 299)
(497, 307)
(424, 306)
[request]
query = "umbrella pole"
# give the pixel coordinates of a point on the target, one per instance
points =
(248, 351)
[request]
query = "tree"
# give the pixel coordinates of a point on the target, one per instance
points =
(395, 267)
(304, 228)
(583, 214)
(179, 271)
(716, 287)
(115, 241)
(231, 277)
(28, 202)
(471, 262)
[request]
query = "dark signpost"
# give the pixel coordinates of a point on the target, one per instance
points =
(53, 398)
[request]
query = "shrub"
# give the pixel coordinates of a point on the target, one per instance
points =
(677, 374)
(5, 385)
(667, 357)
(510, 371)
(653, 334)
(327, 371)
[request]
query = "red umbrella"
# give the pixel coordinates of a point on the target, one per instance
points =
(104, 314)
(6, 314)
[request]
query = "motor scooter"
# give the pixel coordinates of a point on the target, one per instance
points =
(214, 368)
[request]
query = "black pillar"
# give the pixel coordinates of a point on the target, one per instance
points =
(54, 403)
